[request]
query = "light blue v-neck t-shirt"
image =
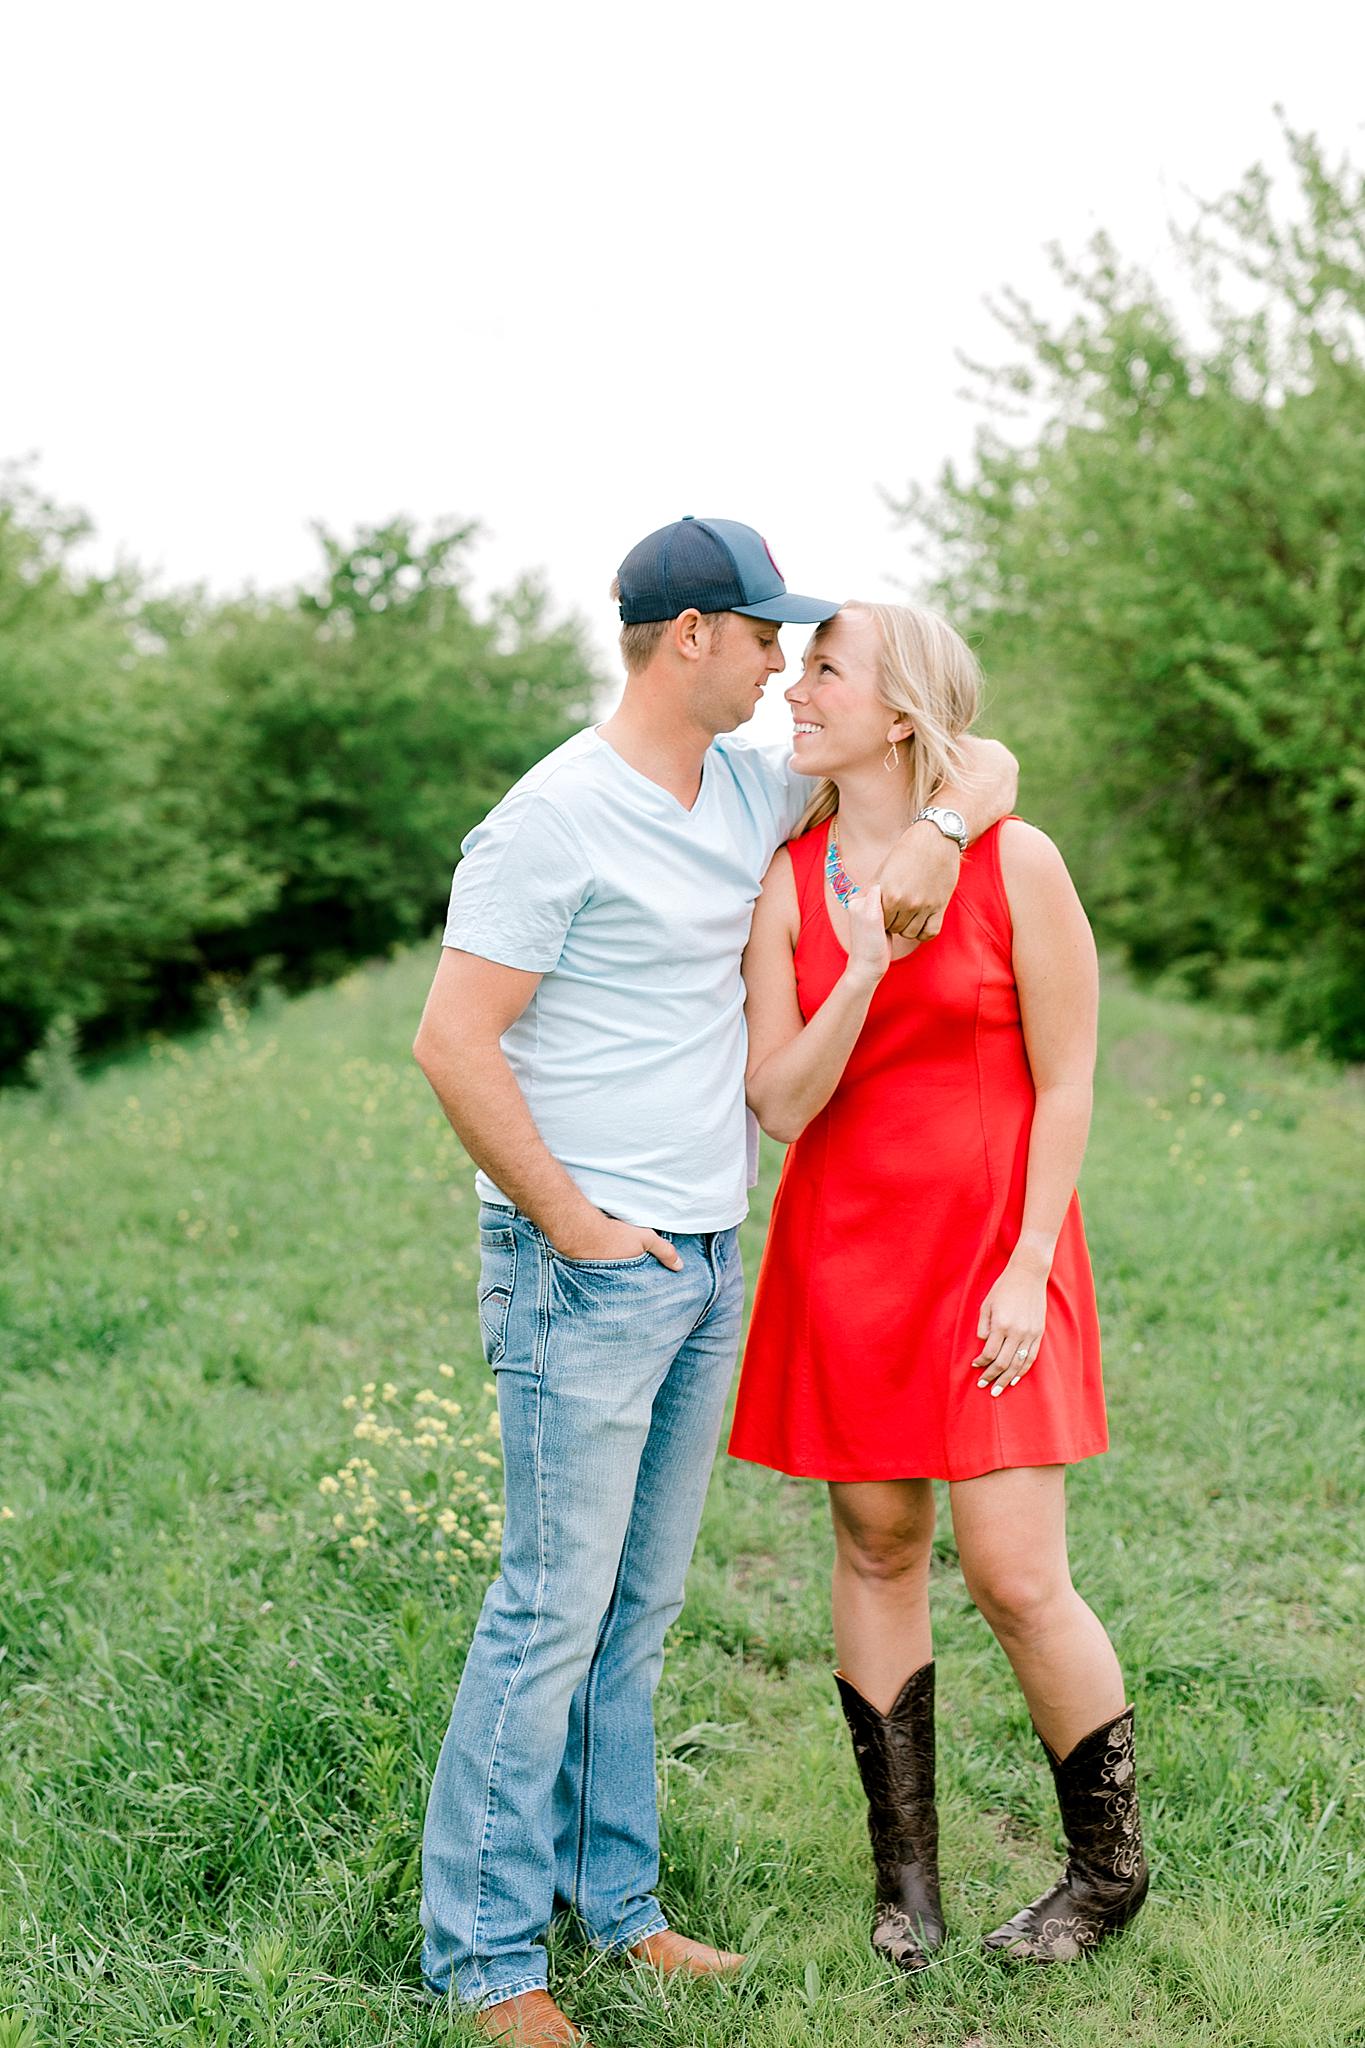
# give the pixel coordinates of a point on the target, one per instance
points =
(636, 911)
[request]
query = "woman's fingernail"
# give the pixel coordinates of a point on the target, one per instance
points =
(1017, 1377)
(983, 1383)
(996, 1391)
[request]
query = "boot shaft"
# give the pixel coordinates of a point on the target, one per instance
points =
(896, 1751)
(1096, 1786)
(895, 1758)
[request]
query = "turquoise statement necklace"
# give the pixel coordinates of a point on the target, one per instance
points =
(834, 868)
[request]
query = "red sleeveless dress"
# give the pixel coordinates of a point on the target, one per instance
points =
(898, 1208)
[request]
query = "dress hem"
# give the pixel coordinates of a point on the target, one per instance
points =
(864, 1477)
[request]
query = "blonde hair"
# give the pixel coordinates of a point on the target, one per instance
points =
(638, 642)
(926, 673)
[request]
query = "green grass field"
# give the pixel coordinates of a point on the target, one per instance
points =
(227, 1651)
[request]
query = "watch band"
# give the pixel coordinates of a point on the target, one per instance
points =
(951, 824)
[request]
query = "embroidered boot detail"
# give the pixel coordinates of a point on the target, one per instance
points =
(1105, 1880)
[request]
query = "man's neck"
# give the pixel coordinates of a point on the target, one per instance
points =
(658, 742)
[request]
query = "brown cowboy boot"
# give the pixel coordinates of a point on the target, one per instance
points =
(673, 1955)
(1105, 1880)
(530, 2020)
(895, 1754)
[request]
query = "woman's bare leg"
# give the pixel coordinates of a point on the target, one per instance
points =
(883, 1536)
(1011, 1539)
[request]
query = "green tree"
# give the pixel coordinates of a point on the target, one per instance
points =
(188, 787)
(106, 872)
(1166, 574)
(368, 724)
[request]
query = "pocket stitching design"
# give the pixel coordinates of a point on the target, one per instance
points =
(493, 1329)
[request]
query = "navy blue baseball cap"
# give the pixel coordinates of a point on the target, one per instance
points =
(712, 565)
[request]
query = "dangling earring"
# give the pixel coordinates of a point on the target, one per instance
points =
(891, 760)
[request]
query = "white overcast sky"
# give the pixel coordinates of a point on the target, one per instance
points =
(576, 270)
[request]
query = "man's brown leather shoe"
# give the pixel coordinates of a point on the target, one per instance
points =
(673, 1955)
(530, 2020)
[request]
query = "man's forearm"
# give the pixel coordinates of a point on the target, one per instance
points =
(920, 873)
(992, 784)
(487, 1111)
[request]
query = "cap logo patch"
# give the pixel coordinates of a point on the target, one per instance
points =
(769, 553)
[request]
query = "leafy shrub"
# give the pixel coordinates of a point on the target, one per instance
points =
(108, 865)
(363, 729)
(187, 789)
(1166, 574)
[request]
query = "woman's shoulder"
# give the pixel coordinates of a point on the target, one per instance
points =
(1025, 850)
(806, 849)
(1035, 877)
(1007, 866)
(780, 876)
(778, 907)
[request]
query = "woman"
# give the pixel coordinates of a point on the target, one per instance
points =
(925, 1308)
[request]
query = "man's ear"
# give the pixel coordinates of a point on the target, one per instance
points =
(685, 635)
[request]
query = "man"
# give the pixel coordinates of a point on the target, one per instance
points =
(585, 1036)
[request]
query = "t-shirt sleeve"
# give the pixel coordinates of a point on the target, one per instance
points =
(788, 792)
(796, 794)
(523, 876)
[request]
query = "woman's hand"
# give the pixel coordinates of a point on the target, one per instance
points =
(1011, 1326)
(869, 948)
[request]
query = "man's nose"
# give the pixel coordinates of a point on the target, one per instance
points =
(777, 660)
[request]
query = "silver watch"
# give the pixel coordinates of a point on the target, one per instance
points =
(951, 824)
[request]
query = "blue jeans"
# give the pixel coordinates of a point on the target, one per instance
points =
(612, 1377)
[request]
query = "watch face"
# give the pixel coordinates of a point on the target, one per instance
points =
(955, 822)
